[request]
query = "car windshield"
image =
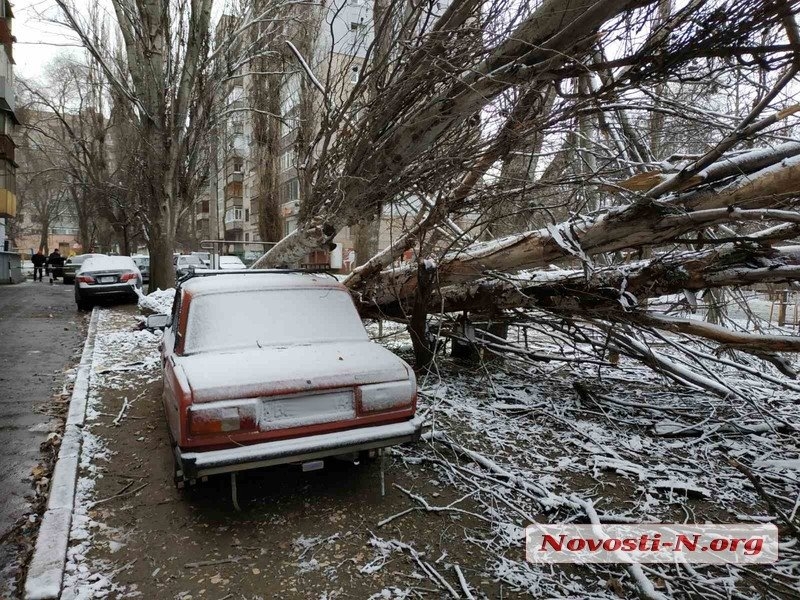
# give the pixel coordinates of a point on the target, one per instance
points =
(189, 260)
(249, 319)
(142, 261)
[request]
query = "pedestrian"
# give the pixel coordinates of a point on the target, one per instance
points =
(38, 261)
(56, 262)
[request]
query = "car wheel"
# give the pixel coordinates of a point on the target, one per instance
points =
(83, 304)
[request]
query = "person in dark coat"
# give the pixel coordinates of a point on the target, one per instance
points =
(56, 262)
(38, 261)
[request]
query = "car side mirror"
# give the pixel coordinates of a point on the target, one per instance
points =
(158, 321)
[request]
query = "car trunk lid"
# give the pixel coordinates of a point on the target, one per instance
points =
(285, 371)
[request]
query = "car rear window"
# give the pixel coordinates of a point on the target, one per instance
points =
(249, 319)
(111, 263)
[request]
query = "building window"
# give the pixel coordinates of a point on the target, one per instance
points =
(233, 214)
(288, 124)
(286, 161)
(290, 191)
(247, 214)
(289, 225)
(238, 126)
(238, 165)
(354, 75)
(290, 94)
(246, 237)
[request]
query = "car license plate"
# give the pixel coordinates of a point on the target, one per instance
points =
(106, 279)
(302, 410)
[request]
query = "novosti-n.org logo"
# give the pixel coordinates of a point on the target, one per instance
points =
(652, 543)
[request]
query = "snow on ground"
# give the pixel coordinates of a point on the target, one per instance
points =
(121, 355)
(157, 302)
(527, 441)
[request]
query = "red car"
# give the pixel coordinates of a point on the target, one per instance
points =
(263, 368)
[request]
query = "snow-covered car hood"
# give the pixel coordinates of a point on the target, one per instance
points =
(282, 370)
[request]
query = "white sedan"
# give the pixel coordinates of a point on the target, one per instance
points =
(228, 263)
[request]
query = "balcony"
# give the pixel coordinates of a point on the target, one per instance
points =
(234, 219)
(231, 203)
(235, 176)
(8, 203)
(233, 190)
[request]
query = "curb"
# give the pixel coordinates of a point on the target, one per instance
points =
(46, 569)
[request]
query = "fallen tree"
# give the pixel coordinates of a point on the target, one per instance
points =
(613, 289)
(750, 197)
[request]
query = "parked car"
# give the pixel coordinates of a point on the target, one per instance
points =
(72, 264)
(143, 262)
(205, 258)
(231, 262)
(264, 368)
(184, 262)
(106, 277)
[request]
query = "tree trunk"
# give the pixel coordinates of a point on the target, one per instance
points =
(161, 246)
(417, 327)
(45, 227)
(366, 240)
(637, 226)
(267, 137)
(611, 291)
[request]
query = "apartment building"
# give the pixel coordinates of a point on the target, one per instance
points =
(228, 209)
(8, 188)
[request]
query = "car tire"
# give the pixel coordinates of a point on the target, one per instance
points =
(83, 304)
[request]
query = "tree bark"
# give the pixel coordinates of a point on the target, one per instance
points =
(417, 327)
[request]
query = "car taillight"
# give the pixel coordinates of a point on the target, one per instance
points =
(127, 277)
(85, 279)
(222, 417)
(392, 395)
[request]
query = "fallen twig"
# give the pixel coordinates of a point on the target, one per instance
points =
(125, 405)
(764, 495)
(120, 494)
(211, 563)
(462, 580)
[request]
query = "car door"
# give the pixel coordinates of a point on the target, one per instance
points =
(175, 384)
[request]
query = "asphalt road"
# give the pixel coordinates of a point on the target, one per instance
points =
(40, 333)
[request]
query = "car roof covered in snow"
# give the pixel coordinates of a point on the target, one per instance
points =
(228, 282)
(103, 262)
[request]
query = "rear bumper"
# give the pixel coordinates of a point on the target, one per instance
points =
(107, 290)
(211, 462)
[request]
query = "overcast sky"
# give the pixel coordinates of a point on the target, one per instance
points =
(37, 40)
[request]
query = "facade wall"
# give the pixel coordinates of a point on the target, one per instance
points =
(8, 186)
